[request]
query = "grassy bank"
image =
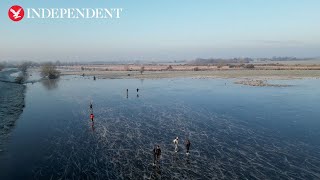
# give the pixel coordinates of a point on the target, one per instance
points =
(12, 103)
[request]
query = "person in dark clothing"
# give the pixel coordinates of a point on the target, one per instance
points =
(156, 154)
(137, 89)
(94, 77)
(91, 108)
(187, 145)
(127, 93)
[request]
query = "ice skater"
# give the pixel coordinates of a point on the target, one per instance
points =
(91, 108)
(156, 154)
(127, 93)
(137, 90)
(91, 117)
(187, 143)
(176, 142)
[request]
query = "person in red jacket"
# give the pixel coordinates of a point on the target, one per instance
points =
(91, 116)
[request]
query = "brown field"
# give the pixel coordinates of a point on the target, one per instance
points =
(188, 67)
(181, 71)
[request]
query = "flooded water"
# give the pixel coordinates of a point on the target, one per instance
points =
(236, 131)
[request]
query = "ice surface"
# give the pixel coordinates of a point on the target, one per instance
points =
(235, 132)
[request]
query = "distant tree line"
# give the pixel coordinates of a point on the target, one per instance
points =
(284, 58)
(213, 61)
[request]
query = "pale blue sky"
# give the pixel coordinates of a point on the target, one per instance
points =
(165, 30)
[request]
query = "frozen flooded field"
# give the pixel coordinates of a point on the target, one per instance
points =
(236, 131)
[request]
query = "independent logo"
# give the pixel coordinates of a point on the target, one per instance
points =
(16, 13)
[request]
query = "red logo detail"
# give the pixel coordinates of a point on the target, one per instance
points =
(16, 13)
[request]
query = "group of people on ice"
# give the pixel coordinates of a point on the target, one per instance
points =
(157, 149)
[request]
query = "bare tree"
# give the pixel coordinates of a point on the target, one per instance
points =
(50, 71)
(23, 76)
(24, 67)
